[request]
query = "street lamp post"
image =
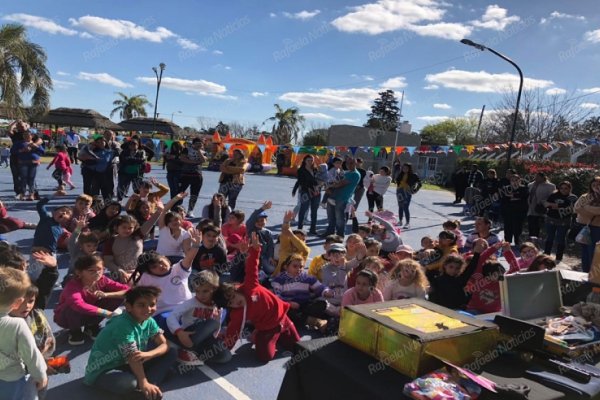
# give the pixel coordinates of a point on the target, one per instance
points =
(173, 114)
(515, 119)
(162, 67)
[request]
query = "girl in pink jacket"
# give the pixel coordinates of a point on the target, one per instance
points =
(63, 170)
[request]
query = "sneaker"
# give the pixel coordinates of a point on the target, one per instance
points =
(76, 338)
(324, 205)
(92, 331)
(190, 215)
(407, 226)
(187, 357)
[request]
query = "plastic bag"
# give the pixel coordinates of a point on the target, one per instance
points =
(584, 236)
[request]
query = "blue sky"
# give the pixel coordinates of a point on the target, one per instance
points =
(233, 62)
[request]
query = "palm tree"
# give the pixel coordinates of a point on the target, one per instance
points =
(287, 124)
(130, 106)
(23, 71)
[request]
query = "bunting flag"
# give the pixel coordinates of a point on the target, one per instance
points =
(411, 150)
(297, 148)
(227, 146)
(156, 143)
(435, 149)
(457, 149)
(470, 149)
(33, 130)
(183, 143)
(262, 148)
(399, 150)
(119, 138)
(318, 148)
(353, 150)
(376, 150)
(388, 149)
(216, 138)
(445, 149)
(96, 136)
(169, 143)
(85, 135)
(250, 147)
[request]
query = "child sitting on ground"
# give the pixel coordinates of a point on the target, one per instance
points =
(256, 223)
(454, 226)
(20, 355)
(100, 224)
(185, 224)
(317, 263)
(217, 211)
(122, 250)
(195, 324)
(9, 224)
(334, 278)
(210, 255)
(82, 208)
(120, 361)
(297, 288)
(234, 230)
(173, 239)
(386, 233)
(291, 242)
(528, 251)
(253, 302)
(407, 281)
(144, 195)
(445, 247)
(45, 240)
(542, 262)
(365, 291)
(81, 244)
(154, 269)
(87, 299)
(38, 324)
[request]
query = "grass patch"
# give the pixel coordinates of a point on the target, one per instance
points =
(431, 186)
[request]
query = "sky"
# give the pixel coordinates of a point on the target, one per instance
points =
(233, 61)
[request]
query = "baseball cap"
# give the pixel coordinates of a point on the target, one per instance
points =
(405, 248)
(337, 247)
(263, 214)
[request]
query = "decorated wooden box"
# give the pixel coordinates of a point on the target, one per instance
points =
(410, 335)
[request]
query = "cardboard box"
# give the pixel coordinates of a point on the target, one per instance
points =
(409, 335)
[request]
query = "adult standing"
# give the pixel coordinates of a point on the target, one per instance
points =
(475, 177)
(342, 192)
(489, 194)
(588, 213)
(96, 161)
(560, 213)
(408, 183)
(113, 169)
(15, 132)
(359, 192)
(539, 191)
(514, 208)
(309, 192)
(231, 180)
(73, 140)
(460, 178)
(28, 151)
(192, 159)
(131, 168)
(174, 165)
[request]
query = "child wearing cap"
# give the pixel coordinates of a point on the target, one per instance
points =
(334, 278)
(257, 223)
(317, 263)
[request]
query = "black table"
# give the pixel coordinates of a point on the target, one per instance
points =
(329, 369)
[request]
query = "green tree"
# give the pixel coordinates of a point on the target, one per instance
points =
(287, 124)
(316, 137)
(449, 131)
(130, 106)
(23, 71)
(384, 112)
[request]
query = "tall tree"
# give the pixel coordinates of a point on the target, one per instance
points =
(130, 106)
(287, 124)
(450, 131)
(384, 112)
(23, 71)
(316, 137)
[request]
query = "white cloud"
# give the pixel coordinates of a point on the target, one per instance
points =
(555, 91)
(590, 105)
(590, 90)
(302, 15)
(482, 81)
(317, 116)
(559, 15)
(199, 87)
(431, 87)
(433, 118)
(442, 106)
(187, 44)
(103, 78)
(397, 82)
(592, 36)
(227, 67)
(259, 94)
(217, 52)
(62, 73)
(443, 30)
(41, 23)
(121, 29)
(272, 15)
(85, 35)
(495, 18)
(358, 99)
(58, 84)
(363, 77)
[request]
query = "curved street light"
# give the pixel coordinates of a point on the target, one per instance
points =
(162, 67)
(514, 124)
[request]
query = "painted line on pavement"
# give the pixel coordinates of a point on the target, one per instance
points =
(232, 390)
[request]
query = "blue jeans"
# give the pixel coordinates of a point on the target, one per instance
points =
(173, 182)
(587, 251)
(337, 218)
(122, 381)
(558, 233)
(403, 196)
(23, 388)
(231, 192)
(307, 200)
(27, 173)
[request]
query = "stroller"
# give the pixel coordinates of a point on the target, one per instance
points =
(472, 197)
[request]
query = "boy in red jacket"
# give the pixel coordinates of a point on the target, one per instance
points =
(252, 302)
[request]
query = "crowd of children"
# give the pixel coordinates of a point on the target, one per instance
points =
(205, 285)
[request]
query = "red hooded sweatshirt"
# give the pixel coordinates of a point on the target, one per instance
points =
(263, 308)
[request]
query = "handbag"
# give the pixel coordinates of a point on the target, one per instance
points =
(584, 236)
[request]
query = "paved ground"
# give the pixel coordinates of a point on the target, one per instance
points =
(243, 377)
